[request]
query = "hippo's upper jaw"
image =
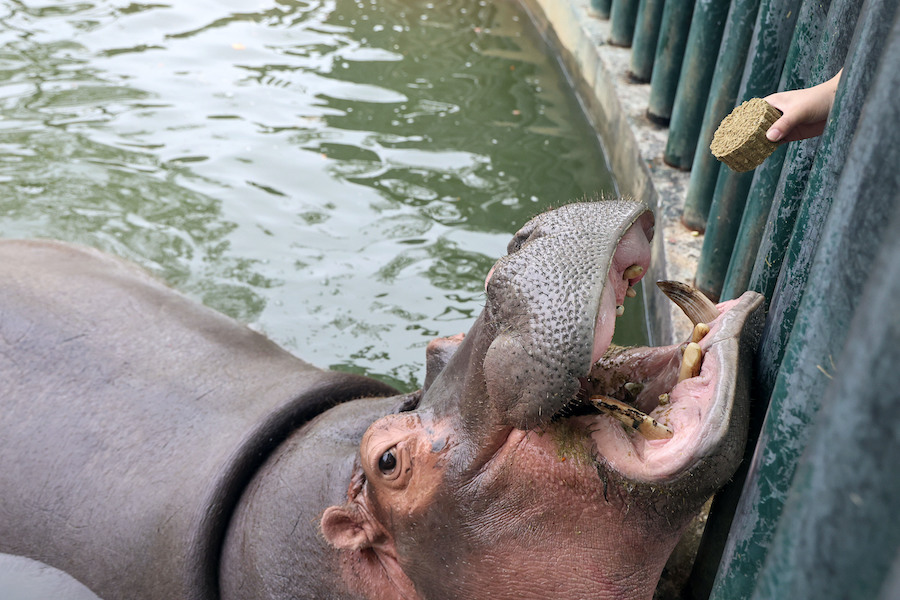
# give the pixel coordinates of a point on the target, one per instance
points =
(550, 313)
(552, 302)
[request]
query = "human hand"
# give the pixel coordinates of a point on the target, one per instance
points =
(805, 111)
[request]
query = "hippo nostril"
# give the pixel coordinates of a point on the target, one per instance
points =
(520, 238)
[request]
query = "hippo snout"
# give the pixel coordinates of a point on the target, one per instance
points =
(553, 301)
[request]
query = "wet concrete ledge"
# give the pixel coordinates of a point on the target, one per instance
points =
(634, 145)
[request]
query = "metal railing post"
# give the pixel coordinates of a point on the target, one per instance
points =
(772, 182)
(673, 35)
(601, 8)
(646, 34)
(841, 499)
(707, 26)
(622, 17)
(785, 281)
(723, 92)
(852, 236)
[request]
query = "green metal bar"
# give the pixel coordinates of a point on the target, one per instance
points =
(856, 226)
(707, 26)
(856, 232)
(753, 222)
(721, 230)
(800, 154)
(771, 181)
(622, 18)
(768, 50)
(601, 7)
(723, 92)
(646, 34)
(787, 290)
(891, 588)
(718, 525)
(673, 34)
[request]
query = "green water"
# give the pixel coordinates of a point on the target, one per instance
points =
(340, 175)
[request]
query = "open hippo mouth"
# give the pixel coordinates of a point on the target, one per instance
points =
(653, 415)
(659, 412)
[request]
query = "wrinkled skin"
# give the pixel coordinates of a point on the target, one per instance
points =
(233, 470)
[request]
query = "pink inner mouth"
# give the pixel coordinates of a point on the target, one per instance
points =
(632, 249)
(696, 410)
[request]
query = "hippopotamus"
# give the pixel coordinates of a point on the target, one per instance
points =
(153, 448)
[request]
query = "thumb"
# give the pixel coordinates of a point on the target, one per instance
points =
(779, 129)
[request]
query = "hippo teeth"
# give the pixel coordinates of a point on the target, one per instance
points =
(700, 331)
(690, 362)
(633, 272)
(631, 417)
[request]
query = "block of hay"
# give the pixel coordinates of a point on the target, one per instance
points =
(740, 141)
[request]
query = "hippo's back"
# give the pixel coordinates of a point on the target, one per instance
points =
(131, 418)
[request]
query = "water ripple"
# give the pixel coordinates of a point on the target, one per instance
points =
(340, 174)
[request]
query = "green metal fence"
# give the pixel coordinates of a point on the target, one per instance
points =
(812, 511)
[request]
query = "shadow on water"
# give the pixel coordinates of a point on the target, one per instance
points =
(340, 175)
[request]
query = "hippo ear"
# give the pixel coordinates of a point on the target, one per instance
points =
(349, 528)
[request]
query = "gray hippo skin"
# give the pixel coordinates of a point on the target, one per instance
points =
(152, 448)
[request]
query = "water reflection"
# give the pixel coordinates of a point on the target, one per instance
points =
(339, 174)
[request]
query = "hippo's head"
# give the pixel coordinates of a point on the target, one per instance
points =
(541, 462)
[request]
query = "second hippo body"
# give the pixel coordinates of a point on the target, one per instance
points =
(138, 417)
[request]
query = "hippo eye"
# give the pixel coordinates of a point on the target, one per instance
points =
(388, 462)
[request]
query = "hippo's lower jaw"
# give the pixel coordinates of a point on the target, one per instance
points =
(682, 424)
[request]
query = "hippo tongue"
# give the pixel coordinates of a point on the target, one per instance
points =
(552, 303)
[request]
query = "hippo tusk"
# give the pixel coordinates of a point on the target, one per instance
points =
(697, 307)
(631, 417)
